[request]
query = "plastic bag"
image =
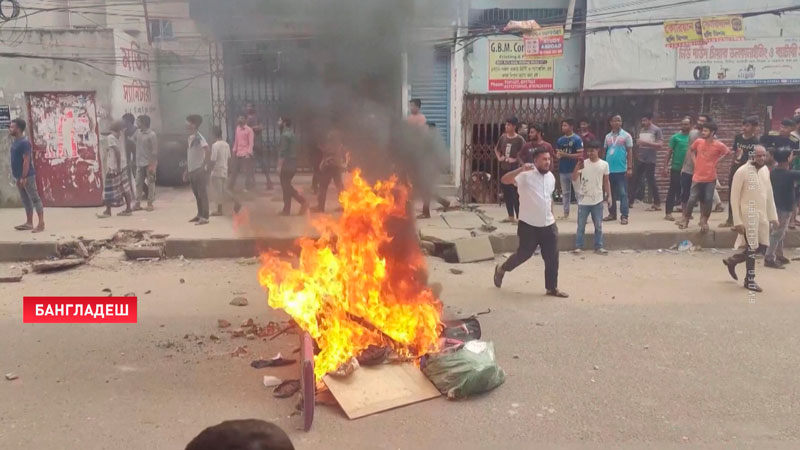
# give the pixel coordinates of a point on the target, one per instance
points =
(469, 371)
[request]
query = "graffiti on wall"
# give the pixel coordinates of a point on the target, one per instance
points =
(134, 86)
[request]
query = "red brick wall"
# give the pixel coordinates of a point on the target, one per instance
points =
(727, 111)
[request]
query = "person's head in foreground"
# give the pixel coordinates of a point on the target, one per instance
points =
(248, 434)
(593, 151)
(541, 160)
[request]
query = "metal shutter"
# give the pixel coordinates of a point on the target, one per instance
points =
(431, 84)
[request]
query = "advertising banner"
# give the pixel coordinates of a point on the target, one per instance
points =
(682, 33)
(545, 43)
(723, 28)
(511, 71)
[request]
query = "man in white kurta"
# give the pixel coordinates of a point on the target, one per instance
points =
(754, 211)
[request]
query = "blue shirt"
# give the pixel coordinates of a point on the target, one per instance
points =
(617, 146)
(569, 145)
(19, 148)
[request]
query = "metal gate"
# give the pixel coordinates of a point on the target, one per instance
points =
(483, 124)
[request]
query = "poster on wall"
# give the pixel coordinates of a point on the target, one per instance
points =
(134, 88)
(545, 42)
(511, 71)
(757, 62)
(683, 33)
(723, 28)
(5, 117)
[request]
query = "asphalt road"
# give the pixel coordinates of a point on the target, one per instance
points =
(651, 351)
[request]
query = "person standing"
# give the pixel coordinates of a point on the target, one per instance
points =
(220, 155)
(783, 181)
(649, 143)
(287, 167)
(430, 192)
(259, 152)
(594, 189)
(415, 116)
(146, 163)
(507, 151)
(783, 139)
(619, 155)
(678, 146)
(129, 145)
(706, 153)
(198, 159)
(537, 225)
(743, 146)
(687, 171)
(793, 224)
(243, 143)
(331, 167)
(535, 142)
(569, 150)
(584, 131)
(753, 212)
(24, 174)
(117, 184)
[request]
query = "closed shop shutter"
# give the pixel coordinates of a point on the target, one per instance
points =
(430, 82)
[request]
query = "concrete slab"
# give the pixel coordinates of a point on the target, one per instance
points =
(463, 220)
(474, 249)
(438, 234)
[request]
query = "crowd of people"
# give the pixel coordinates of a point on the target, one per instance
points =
(764, 179)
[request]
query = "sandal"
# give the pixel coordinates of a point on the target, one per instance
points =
(654, 208)
(557, 293)
(125, 213)
(704, 228)
(103, 216)
(682, 225)
(23, 227)
(286, 389)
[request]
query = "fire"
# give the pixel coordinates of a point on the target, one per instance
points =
(359, 284)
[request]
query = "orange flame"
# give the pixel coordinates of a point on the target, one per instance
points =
(357, 285)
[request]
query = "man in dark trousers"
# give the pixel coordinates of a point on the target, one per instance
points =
(537, 224)
(24, 173)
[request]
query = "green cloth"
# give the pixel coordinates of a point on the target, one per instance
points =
(796, 163)
(288, 150)
(679, 143)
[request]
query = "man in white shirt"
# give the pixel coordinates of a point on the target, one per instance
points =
(220, 155)
(537, 224)
(592, 178)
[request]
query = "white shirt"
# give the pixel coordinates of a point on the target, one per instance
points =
(220, 154)
(536, 197)
(112, 145)
(590, 188)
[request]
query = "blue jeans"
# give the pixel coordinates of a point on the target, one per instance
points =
(619, 193)
(596, 212)
(566, 190)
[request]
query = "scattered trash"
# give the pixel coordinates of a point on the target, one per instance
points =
(456, 271)
(346, 369)
(685, 246)
(237, 333)
(596, 367)
(247, 323)
(238, 301)
(147, 292)
(277, 361)
(214, 337)
(373, 356)
(107, 290)
(463, 330)
(488, 228)
(270, 381)
(471, 370)
(239, 351)
(130, 294)
(11, 376)
(247, 261)
(515, 356)
(222, 323)
(250, 337)
(58, 264)
(286, 389)
(539, 324)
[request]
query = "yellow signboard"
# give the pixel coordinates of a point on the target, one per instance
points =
(510, 70)
(682, 33)
(723, 28)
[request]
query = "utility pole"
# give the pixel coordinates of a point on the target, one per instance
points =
(147, 23)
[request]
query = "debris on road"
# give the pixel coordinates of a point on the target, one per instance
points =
(248, 323)
(277, 361)
(239, 301)
(468, 371)
(456, 271)
(270, 381)
(221, 323)
(130, 294)
(182, 281)
(247, 261)
(237, 333)
(239, 351)
(149, 252)
(56, 265)
(346, 369)
(286, 389)
(11, 376)
(214, 337)
(373, 356)
(10, 278)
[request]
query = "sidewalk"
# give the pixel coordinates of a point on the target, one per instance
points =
(265, 229)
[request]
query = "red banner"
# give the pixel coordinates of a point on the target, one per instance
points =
(79, 310)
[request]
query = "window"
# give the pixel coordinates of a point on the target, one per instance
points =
(161, 29)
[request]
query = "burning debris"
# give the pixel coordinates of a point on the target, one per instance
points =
(359, 284)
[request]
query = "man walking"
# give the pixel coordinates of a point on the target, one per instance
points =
(198, 158)
(753, 213)
(287, 167)
(146, 163)
(743, 146)
(259, 152)
(537, 225)
(619, 155)
(678, 147)
(242, 154)
(705, 153)
(220, 155)
(594, 190)
(569, 149)
(25, 176)
(783, 180)
(649, 143)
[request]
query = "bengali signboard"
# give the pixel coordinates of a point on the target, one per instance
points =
(134, 88)
(546, 42)
(723, 28)
(757, 62)
(511, 71)
(682, 33)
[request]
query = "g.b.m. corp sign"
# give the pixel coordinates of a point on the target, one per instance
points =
(511, 71)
